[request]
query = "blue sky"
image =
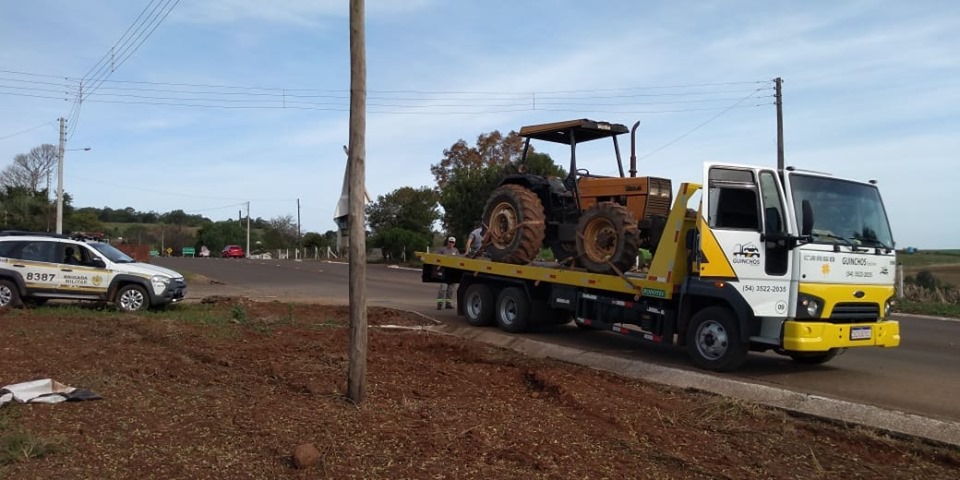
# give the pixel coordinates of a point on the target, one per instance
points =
(871, 91)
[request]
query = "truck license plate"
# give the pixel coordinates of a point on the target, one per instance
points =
(861, 333)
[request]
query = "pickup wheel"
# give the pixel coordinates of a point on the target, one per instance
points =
(607, 234)
(815, 358)
(132, 298)
(713, 340)
(9, 296)
(478, 305)
(515, 225)
(513, 310)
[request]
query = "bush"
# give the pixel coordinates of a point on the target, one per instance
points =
(395, 242)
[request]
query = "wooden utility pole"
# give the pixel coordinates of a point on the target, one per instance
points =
(779, 101)
(356, 375)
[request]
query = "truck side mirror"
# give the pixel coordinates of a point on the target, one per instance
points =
(806, 219)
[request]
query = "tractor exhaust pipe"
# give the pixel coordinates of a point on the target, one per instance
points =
(633, 149)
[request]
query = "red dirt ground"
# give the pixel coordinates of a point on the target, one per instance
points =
(228, 389)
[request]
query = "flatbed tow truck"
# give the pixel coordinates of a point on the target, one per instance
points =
(745, 267)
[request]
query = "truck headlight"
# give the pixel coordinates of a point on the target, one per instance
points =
(887, 307)
(809, 306)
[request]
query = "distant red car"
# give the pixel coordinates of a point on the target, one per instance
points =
(232, 251)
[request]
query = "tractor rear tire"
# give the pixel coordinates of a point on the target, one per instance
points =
(515, 223)
(607, 238)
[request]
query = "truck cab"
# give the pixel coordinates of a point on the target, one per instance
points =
(809, 257)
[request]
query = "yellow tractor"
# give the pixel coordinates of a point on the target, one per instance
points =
(591, 221)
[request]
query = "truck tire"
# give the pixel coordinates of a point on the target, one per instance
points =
(513, 310)
(9, 295)
(607, 234)
(515, 222)
(815, 358)
(713, 340)
(132, 298)
(478, 305)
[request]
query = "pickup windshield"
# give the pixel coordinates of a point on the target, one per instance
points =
(844, 212)
(107, 250)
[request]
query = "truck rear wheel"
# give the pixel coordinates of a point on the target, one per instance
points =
(607, 234)
(478, 305)
(513, 310)
(515, 223)
(713, 340)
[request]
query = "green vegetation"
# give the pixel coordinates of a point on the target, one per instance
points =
(928, 308)
(18, 444)
(928, 257)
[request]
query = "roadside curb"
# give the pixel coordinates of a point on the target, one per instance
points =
(842, 411)
(924, 317)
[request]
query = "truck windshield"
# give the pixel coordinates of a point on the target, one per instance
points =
(844, 212)
(107, 250)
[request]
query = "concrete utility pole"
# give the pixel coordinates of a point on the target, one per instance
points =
(356, 375)
(779, 101)
(63, 141)
(247, 251)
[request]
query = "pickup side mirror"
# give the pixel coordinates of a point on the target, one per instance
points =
(98, 262)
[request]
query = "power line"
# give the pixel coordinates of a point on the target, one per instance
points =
(27, 130)
(698, 127)
(128, 44)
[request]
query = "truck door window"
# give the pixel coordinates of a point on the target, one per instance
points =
(773, 223)
(733, 199)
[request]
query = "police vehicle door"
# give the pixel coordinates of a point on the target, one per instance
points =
(745, 241)
(80, 274)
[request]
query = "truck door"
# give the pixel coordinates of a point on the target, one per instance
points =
(741, 240)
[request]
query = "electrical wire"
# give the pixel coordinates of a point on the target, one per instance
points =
(21, 132)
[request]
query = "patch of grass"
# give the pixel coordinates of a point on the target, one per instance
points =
(928, 308)
(928, 257)
(199, 314)
(17, 444)
(239, 314)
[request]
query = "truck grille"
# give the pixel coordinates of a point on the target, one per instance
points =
(855, 312)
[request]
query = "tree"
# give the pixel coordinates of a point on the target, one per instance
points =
(281, 232)
(24, 209)
(399, 243)
(217, 235)
(31, 169)
(467, 175)
(405, 208)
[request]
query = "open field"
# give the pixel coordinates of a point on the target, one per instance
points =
(227, 389)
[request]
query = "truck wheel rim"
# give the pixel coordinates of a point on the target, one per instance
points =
(503, 224)
(508, 311)
(712, 340)
(474, 306)
(131, 300)
(5, 296)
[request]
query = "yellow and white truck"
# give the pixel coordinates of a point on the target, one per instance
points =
(801, 263)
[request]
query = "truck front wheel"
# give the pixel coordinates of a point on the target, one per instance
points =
(478, 305)
(713, 340)
(513, 310)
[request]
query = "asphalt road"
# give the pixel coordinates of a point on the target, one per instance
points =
(922, 376)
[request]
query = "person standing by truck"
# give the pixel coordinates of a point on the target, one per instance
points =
(475, 239)
(445, 293)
